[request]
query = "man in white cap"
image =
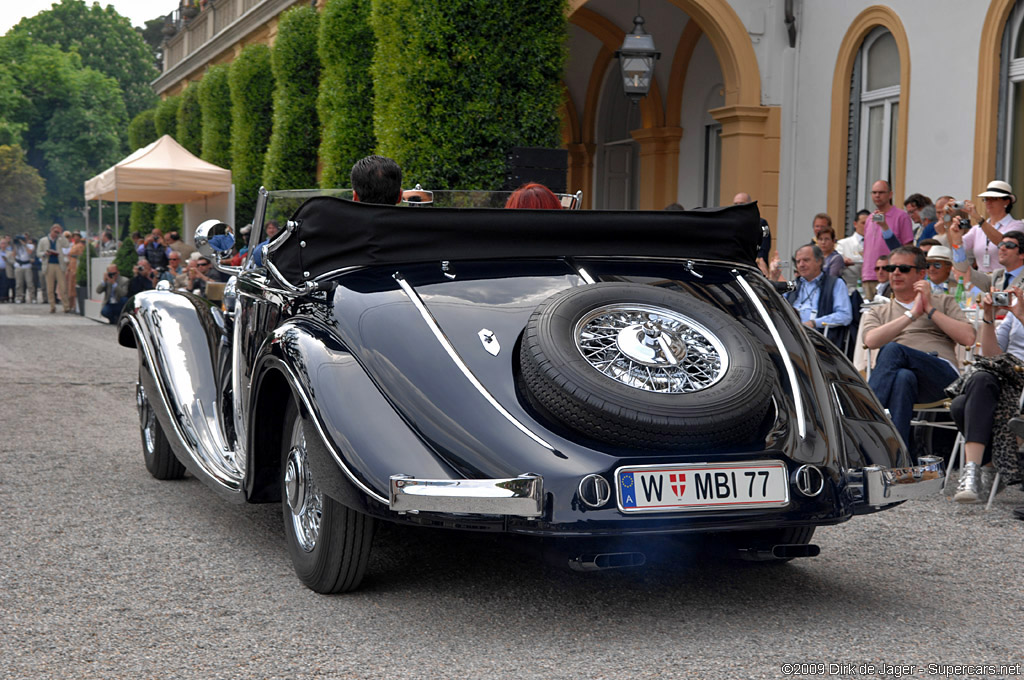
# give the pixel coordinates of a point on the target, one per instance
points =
(940, 264)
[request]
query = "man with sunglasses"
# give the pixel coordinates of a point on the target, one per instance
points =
(916, 334)
(1011, 260)
(940, 264)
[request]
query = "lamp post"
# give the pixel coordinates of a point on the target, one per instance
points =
(636, 58)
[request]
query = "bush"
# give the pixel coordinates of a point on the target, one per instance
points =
(251, 80)
(165, 120)
(142, 131)
(215, 104)
(292, 154)
(458, 83)
(190, 120)
(345, 105)
(126, 257)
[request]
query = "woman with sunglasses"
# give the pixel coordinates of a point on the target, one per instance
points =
(981, 243)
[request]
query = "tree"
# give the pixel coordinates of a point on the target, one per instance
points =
(251, 80)
(345, 105)
(153, 35)
(292, 155)
(21, 192)
(215, 104)
(104, 40)
(167, 217)
(449, 104)
(72, 117)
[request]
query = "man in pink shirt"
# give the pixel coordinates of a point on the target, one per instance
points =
(887, 228)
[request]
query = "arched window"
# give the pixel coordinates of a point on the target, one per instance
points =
(1010, 141)
(874, 112)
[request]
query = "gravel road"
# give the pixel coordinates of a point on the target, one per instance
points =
(108, 573)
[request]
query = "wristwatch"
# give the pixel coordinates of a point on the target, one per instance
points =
(909, 314)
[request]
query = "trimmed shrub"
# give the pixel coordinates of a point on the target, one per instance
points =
(345, 105)
(126, 257)
(81, 274)
(458, 83)
(251, 80)
(215, 104)
(142, 131)
(190, 120)
(166, 123)
(292, 154)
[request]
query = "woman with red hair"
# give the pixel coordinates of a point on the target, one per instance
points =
(533, 196)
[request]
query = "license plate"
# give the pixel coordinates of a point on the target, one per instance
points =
(702, 486)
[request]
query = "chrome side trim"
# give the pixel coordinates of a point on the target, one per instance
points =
(521, 496)
(798, 397)
(308, 403)
(191, 425)
(585, 275)
(883, 486)
(459, 363)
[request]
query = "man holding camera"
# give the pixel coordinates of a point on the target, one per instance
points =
(916, 334)
(1010, 257)
(52, 250)
(887, 229)
(144, 277)
(114, 289)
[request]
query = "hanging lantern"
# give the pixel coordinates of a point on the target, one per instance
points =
(636, 58)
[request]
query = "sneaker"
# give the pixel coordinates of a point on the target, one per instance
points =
(967, 487)
(988, 477)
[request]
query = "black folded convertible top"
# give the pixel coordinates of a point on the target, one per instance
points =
(339, 233)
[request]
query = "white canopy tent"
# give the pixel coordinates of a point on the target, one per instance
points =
(163, 172)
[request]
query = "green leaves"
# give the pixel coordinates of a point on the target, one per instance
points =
(21, 192)
(251, 82)
(215, 104)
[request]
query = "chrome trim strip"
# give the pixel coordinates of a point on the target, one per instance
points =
(199, 457)
(883, 486)
(522, 496)
(585, 275)
(459, 363)
(308, 403)
(798, 397)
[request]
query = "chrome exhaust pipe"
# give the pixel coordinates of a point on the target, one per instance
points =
(603, 561)
(783, 551)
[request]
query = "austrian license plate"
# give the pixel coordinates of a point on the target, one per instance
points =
(702, 486)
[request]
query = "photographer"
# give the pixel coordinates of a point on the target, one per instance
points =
(155, 250)
(987, 397)
(201, 272)
(24, 254)
(888, 228)
(144, 278)
(982, 241)
(1010, 257)
(114, 289)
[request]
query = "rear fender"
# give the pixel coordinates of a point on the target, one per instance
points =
(362, 439)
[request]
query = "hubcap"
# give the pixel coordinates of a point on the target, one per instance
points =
(651, 348)
(301, 493)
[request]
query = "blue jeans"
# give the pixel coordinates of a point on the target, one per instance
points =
(112, 310)
(903, 377)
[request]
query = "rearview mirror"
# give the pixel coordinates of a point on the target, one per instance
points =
(214, 240)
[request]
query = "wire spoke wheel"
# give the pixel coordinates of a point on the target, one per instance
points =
(303, 496)
(651, 348)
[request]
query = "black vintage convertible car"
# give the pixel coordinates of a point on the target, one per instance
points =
(590, 378)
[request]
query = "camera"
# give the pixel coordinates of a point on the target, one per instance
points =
(958, 205)
(1001, 299)
(878, 217)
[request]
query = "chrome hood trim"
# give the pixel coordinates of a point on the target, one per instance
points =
(174, 342)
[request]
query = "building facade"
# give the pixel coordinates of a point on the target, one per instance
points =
(801, 103)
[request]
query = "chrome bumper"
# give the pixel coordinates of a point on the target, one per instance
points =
(521, 496)
(883, 486)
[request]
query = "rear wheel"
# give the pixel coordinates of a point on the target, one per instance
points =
(156, 450)
(328, 542)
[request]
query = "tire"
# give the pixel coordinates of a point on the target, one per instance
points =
(329, 543)
(156, 450)
(715, 394)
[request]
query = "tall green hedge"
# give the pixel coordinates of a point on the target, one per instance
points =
(345, 105)
(458, 83)
(190, 120)
(251, 80)
(167, 217)
(142, 131)
(215, 103)
(292, 156)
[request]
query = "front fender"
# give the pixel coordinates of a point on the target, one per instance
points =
(365, 440)
(177, 336)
